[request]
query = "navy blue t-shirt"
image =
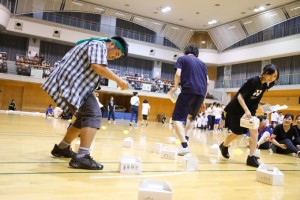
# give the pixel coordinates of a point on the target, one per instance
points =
(193, 77)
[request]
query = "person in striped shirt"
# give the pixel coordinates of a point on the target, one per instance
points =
(71, 86)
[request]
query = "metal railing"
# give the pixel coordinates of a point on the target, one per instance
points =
(284, 79)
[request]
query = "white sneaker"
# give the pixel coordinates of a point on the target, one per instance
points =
(109, 121)
(115, 122)
(183, 151)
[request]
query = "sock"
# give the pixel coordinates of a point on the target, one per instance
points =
(187, 138)
(82, 151)
(63, 144)
(184, 144)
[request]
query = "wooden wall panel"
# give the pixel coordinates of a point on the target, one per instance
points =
(35, 99)
(10, 92)
(30, 97)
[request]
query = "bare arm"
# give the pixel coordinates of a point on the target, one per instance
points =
(177, 78)
(244, 106)
(107, 73)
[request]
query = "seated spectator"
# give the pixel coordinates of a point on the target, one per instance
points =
(297, 126)
(264, 133)
(164, 119)
(57, 112)
(49, 111)
(12, 105)
(285, 137)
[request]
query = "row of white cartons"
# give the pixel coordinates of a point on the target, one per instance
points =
(130, 165)
(269, 175)
(252, 123)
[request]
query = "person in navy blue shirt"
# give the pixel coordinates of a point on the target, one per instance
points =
(192, 75)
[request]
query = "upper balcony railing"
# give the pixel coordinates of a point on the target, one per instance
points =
(286, 79)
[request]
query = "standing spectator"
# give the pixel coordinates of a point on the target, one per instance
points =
(280, 118)
(111, 108)
(245, 103)
(285, 137)
(191, 72)
(209, 111)
(12, 105)
(274, 119)
(145, 111)
(71, 86)
(135, 102)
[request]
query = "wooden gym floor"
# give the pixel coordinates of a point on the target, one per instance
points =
(28, 171)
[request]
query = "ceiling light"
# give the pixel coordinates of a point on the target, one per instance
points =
(248, 22)
(138, 19)
(295, 8)
(120, 14)
(176, 28)
(257, 9)
(212, 22)
(261, 8)
(166, 9)
(156, 23)
(272, 14)
(231, 27)
(77, 3)
(100, 9)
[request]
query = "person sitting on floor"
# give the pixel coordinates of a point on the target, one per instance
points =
(49, 111)
(264, 133)
(285, 137)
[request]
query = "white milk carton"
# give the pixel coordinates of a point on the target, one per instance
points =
(128, 142)
(269, 175)
(157, 147)
(130, 165)
(252, 123)
(171, 140)
(169, 153)
(154, 190)
(190, 162)
(214, 149)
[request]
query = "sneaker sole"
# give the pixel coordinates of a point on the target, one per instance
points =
(77, 166)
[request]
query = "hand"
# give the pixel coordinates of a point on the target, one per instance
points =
(202, 107)
(248, 114)
(123, 85)
(283, 146)
(173, 90)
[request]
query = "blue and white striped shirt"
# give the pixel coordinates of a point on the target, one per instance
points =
(74, 79)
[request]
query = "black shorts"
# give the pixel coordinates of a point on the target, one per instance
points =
(145, 117)
(187, 104)
(232, 122)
